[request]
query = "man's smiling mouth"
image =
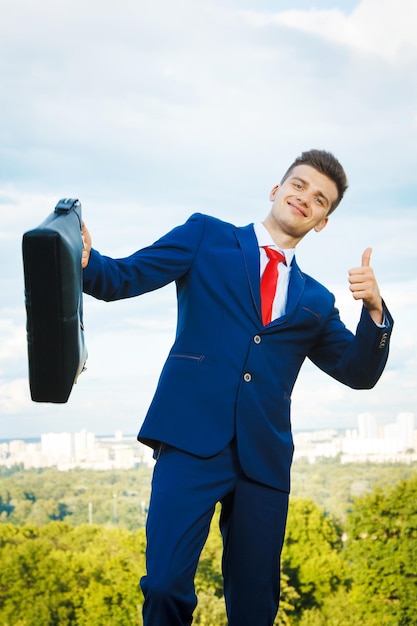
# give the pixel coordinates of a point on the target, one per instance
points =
(297, 208)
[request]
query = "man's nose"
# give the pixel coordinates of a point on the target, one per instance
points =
(303, 198)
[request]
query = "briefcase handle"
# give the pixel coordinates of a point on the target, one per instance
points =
(66, 205)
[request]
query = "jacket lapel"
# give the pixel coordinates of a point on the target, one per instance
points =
(295, 291)
(249, 246)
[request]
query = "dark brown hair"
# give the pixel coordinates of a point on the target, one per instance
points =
(327, 164)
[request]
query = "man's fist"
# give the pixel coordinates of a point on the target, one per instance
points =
(85, 257)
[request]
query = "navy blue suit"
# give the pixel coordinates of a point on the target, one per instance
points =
(228, 378)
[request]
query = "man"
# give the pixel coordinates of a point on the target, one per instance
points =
(220, 418)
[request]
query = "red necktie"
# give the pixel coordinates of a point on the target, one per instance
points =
(269, 283)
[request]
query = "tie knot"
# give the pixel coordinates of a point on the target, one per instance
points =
(274, 255)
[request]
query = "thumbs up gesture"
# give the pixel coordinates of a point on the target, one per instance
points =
(364, 287)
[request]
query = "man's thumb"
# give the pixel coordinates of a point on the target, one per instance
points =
(366, 257)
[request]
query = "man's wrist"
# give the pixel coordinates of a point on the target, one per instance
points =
(377, 314)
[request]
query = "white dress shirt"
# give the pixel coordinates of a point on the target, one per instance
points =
(284, 269)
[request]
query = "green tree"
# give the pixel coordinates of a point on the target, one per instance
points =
(311, 556)
(60, 576)
(38, 497)
(337, 610)
(334, 486)
(36, 583)
(382, 549)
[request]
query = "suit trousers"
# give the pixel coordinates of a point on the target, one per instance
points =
(185, 491)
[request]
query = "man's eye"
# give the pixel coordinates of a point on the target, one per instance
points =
(319, 201)
(298, 185)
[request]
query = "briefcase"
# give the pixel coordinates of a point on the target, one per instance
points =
(53, 296)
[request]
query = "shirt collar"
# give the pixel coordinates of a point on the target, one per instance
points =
(264, 239)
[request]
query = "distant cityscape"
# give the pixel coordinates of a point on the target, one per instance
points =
(67, 451)
(369, 442)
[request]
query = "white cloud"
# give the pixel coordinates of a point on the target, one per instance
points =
(13, 341)
(381, 28)
(179, 89)
(13, 396)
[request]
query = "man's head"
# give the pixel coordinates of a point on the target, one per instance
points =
(310, 190)
(325, 163)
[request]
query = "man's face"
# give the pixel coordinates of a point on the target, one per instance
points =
(300, 204)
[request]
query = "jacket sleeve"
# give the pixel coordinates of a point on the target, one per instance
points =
(148, 269)
(354, 360)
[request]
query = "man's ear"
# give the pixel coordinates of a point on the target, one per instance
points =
(273, 192)
(321, 224)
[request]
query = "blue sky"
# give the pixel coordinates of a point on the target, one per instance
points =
(148, 112)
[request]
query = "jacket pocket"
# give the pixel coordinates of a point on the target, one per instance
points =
(316, 316)
(187, 356)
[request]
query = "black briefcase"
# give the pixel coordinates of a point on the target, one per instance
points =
(53, 297)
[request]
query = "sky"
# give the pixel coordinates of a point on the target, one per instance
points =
(149, 111)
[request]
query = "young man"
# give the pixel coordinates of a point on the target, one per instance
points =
(220, 418)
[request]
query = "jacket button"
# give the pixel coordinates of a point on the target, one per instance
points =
(257, 339)
(247, 377)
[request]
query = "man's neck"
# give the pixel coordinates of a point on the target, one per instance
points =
(281, 239)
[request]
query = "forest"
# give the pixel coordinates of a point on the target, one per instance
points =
(72, 548)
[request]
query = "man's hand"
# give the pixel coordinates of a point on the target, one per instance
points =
(86, 246)
(364, 287)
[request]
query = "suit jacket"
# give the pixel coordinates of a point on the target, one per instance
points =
(227, 375)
